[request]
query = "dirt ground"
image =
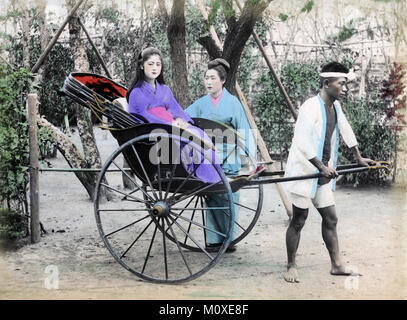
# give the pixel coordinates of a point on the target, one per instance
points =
(372, 232)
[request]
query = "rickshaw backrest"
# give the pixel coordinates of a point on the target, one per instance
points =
(103, 96)
(106, 87)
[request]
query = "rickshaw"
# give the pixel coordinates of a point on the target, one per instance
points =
(157, 227)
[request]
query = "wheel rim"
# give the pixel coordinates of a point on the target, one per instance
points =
(249, 212)
(132, 225)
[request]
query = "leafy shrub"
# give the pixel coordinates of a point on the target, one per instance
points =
(196, 82)
(275, 122)
(58, 67)
(375, 136)
(14, 149)
(12, 224)
(46, 141)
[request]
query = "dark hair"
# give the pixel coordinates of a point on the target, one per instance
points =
(221, 66)
(143, 56)
(332, 67)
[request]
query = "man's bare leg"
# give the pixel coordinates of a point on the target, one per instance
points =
(330, 236)
(292, 241)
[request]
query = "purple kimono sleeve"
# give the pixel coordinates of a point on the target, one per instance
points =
(138, 106)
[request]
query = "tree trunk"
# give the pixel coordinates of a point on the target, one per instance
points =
(44, 36)
(239, 31)
(175, 25)
(71, 154)
(25, 40)
(85, 128)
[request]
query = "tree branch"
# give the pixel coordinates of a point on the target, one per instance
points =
(237, 37)
(210, 45)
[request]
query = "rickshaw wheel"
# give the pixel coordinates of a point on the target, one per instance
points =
(144, 228)
(248, 212)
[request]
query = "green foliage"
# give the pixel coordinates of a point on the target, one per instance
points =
(14, 153)
(308, 6)
(12, 224)
(157, 37)
(110, 15)
(193, 26)
(57, 68)
(376, 138)
(275, 122)
(272, 116)
(213, 12)
(251, 57)
(46, 141)
(248, 63)
(283, 17)
(196, 83)
(227, 9)
(14, 149)
(345, 33)
(216, 18)
(305, 9)
(301, 80)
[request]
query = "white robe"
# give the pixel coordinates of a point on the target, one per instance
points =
(308, 143)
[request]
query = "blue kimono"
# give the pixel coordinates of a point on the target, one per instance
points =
(230, 111)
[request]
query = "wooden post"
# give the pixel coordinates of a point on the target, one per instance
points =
(32, 109)
(260, 142)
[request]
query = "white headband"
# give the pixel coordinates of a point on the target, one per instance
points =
(350, 75)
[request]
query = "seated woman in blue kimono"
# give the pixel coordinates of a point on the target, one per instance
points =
(150, 98)
(222, 106)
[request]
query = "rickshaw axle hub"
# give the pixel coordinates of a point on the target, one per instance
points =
(160, 209)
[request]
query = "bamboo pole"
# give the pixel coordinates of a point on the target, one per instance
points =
(264, 151)
(260, 142)
(55, 38)
(95, 49)
(32, 109)
(273, 71)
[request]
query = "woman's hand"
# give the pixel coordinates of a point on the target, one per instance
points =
(179, 122)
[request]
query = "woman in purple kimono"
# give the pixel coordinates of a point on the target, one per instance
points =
(149, 97)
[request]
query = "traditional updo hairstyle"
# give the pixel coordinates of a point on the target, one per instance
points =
(143, 56)
(221, 66)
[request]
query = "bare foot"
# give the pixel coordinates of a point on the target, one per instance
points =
(291, 275)
(343, 271)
